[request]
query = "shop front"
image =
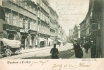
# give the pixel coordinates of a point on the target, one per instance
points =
(11, 32)
(24, 41)
(33, 38)
(41, 42)
(50, 42)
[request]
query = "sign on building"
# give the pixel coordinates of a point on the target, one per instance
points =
(95, 27)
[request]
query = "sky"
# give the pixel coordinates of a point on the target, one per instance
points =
(70, 12)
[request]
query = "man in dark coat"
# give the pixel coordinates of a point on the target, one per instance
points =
(86, 46)
(93, 50)
(54, 51)
(77, 49)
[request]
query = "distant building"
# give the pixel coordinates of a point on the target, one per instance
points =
(70, 38)
(76, 32)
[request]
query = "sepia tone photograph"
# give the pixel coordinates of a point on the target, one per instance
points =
(51, 29)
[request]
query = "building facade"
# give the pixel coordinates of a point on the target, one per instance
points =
(32, 22)
(93, 23)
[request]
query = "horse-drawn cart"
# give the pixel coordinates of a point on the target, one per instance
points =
(9, 47)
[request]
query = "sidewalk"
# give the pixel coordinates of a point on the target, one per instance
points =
(85, 55)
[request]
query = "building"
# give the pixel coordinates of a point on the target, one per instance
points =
(32, 22)
(76, 32)
(93, 26)
(20, 21)
(53, 26)
(70, 37)
(43, 22)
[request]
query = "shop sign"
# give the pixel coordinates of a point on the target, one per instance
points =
(22, 30)
(94, 27)
(10, 27)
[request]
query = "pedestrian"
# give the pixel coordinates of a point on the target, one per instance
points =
(77, 49)
(93, 50)
(54, 51)
(86, 46)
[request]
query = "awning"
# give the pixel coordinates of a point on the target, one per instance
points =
(60, 41)
(11, 30)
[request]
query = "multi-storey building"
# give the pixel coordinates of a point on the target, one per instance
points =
(28, 21)
(43, 21)
(93, 26)
(85, 25)
(20, 20)
(70, 38)
(53, 24)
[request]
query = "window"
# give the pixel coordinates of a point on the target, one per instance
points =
(7, 17)
(34, 11)
(31, 25)
(30, 8)
(26, 24)
(35, 25)
(25, 5)
(21, 2)
(21, 22)
(14, 19)
(38, 13)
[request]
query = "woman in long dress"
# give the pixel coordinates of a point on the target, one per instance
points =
(77, 49)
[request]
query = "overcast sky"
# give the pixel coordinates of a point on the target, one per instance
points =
(70, 12)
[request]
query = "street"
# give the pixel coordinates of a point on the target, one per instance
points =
(41, 53)
(44, 53)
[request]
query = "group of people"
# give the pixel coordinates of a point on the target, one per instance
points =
(77, 48)
(86, 46)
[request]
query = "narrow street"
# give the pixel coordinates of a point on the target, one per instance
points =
(41, 53)
(44, 53)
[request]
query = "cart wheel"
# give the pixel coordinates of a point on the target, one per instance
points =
(8, 52)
